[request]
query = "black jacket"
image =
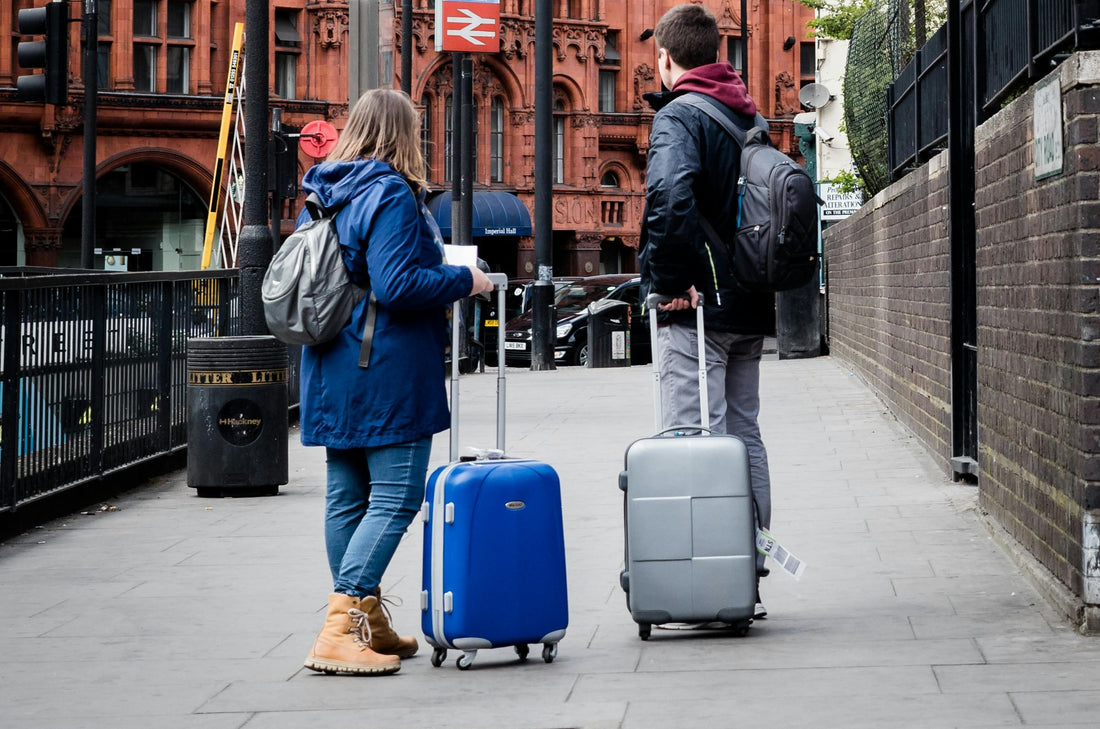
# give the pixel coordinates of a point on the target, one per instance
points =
(692, 169)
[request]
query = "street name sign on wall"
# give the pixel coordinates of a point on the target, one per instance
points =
(1047, 122)
(467, 26)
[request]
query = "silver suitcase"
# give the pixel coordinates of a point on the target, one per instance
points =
(690, 526)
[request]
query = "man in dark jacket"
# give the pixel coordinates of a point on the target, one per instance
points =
(691, 172)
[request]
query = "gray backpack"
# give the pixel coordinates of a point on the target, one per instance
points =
(307, 293)
(774, 247)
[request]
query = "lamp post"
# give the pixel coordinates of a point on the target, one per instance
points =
(91, 99)
(255, 247)
(542, 293)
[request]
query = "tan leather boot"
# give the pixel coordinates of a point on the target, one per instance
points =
(343, 645)
(383, 638)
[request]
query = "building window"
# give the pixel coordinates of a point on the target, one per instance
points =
(807, 63)
(448, 138)
(286, 75)
(179, 20)
(609, 179)
(178, 55)
(104, 19)
(607, 90)
(145, 68)
(151, 49)
(473, 135)
(103, 69)
(426, 136)
(145, 19)
(179, 69)
(288, 45)
(496, 140)
(559, 143)
(733, 53)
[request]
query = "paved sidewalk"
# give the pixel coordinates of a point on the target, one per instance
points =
(179, 612)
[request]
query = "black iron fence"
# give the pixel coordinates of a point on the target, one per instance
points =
(1007, 45)
(93, 370)
(918, 105)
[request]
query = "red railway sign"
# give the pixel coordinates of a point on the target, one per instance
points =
(467, 25)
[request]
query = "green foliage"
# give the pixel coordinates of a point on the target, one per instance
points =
(837, 17)
(868, 74)
(846, 181)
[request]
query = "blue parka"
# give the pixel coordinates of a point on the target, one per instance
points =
(391, 246)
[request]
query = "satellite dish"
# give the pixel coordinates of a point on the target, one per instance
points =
(814, 96)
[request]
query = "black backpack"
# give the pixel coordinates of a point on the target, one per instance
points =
(775, 248)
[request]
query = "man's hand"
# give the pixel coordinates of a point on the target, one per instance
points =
(681, 303)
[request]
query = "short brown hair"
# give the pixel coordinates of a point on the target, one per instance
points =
(690, 35)
(383, 125)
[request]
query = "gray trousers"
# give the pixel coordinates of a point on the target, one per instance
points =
(733, 390)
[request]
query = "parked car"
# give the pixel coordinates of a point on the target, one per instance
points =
(517, 301)
(571, 303)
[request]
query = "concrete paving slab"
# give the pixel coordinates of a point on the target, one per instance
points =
(180, 611)
(1057, 708)
(783, 707)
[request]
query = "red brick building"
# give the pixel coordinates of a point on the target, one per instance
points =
(162, 75)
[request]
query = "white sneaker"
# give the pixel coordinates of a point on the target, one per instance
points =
(761, 612)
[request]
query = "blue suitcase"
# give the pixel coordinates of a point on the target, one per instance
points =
(494, 550)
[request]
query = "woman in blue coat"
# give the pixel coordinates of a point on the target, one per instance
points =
(377, 422)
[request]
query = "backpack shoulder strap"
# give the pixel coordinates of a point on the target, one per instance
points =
(316, 209)
(702, 103)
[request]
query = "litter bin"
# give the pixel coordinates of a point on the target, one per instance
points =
(609, 334)
(236, 415)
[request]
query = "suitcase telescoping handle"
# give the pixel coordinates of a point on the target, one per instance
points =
(651, 303)
(500, 286)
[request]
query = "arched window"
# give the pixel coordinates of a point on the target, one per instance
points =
(609, 179)
(496, 140)
(448, 138)
(426, 135)
(559, 142)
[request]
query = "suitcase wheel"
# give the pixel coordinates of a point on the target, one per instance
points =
(644, 630)
(465, 661)
(741, 630)
(438, 656)
(522, 650)
(549, 652)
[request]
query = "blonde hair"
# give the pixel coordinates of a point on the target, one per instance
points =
(383, 125)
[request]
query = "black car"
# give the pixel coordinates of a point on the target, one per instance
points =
(571, 303)
(517, 300)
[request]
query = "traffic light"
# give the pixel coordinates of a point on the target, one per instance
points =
(51, 54)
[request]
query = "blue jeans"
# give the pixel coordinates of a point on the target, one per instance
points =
(373, 495)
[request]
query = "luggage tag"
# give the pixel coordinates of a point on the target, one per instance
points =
(482, 454)
(768, 545)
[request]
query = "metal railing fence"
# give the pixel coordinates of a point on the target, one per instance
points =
(1007, 45)
(918, 105)
(93, 370)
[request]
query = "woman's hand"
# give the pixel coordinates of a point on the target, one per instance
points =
(481, 281)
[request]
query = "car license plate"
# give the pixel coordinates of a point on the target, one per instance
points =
(492, 323)
(521, 346)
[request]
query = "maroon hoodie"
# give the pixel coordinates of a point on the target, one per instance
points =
(721, 82)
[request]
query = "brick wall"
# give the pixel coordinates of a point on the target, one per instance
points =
(889, 300)
(1038, 281)
(1038, 383)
